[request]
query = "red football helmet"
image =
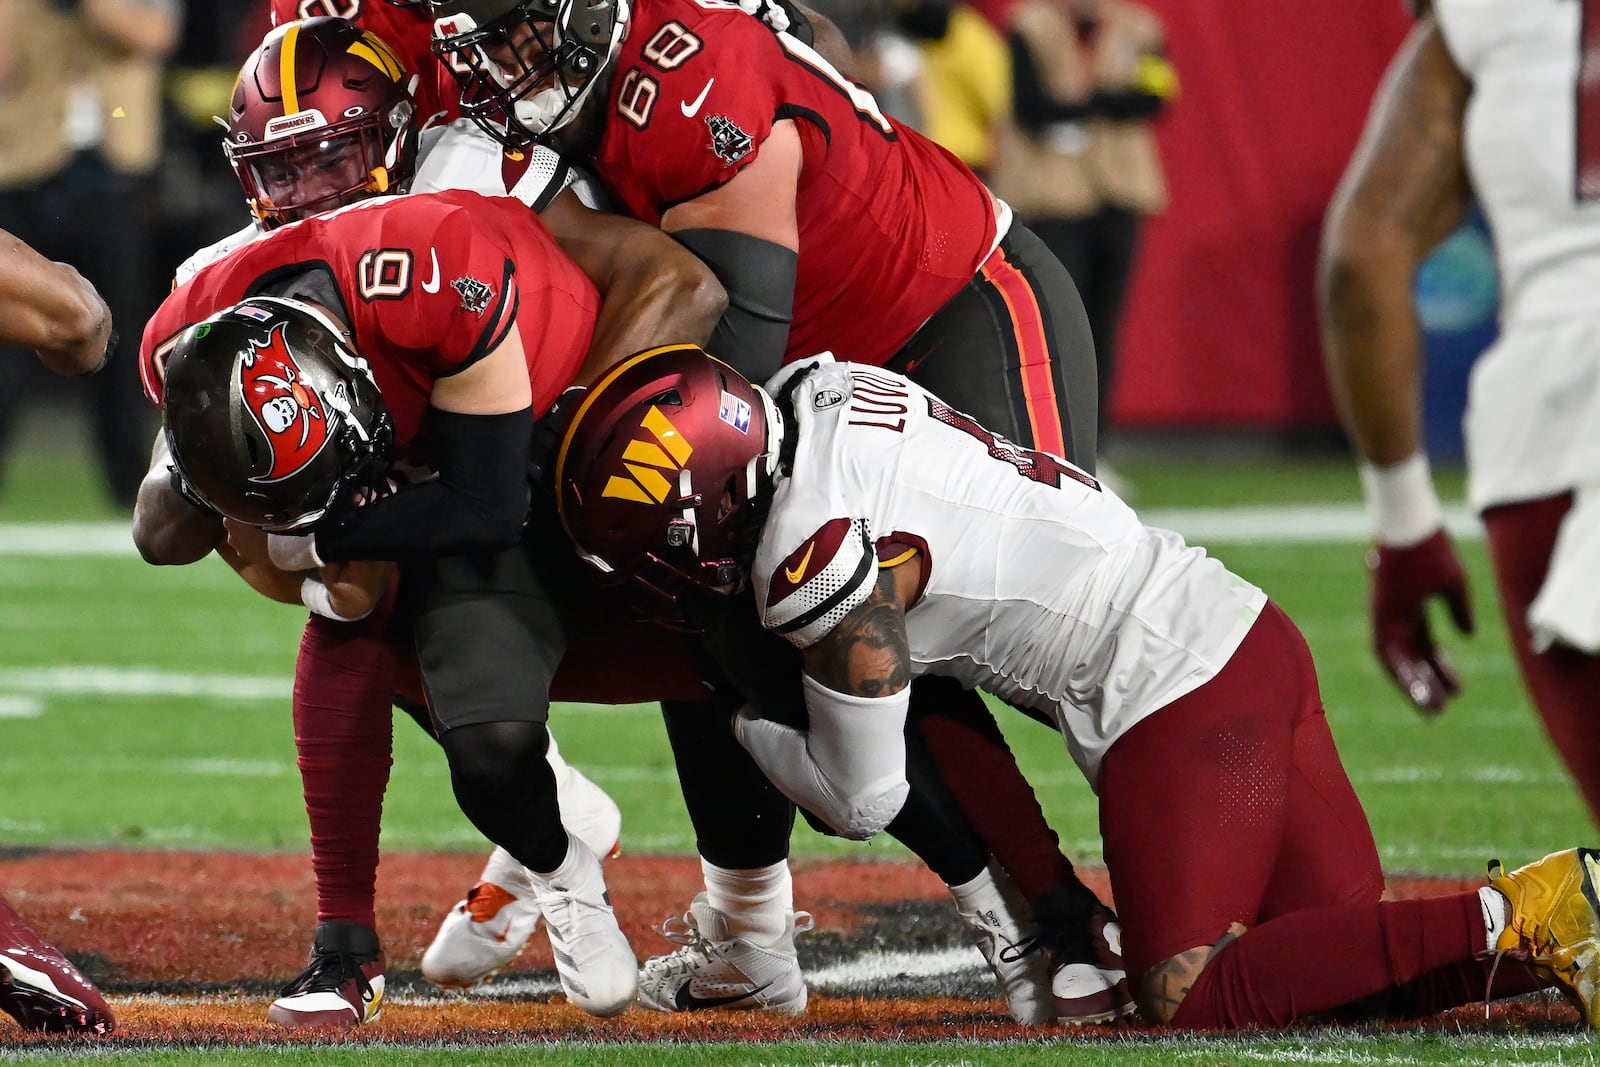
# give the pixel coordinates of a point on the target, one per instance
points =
(271, 418)
(322, 115)
(660, 472)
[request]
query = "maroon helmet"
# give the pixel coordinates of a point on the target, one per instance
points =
(271, 418)
(660, 470)
(322, 115)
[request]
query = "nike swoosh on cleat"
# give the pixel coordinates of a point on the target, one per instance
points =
(689, 109)
(432, 285)
(684, 1000)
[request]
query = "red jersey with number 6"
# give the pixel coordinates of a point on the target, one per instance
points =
(891, 225)
(430, 284)
(408, 29)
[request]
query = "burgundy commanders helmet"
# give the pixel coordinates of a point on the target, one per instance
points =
(322, 115)
(270, 417)
(660, 466)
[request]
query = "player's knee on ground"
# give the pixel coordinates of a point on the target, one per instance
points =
(1161, 989)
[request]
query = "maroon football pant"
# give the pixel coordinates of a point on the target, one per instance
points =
(347, 676)
(1231, 805)
(1562, 681)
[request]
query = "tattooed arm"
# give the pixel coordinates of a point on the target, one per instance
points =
(866, 655)
(849, 767)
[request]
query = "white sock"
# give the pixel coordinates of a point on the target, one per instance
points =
(756, 902)
(1496, 913)
(574, 865)
(981, 894)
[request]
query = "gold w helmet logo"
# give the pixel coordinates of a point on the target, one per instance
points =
(660, 447)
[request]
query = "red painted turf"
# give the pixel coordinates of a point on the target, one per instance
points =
(183, 922)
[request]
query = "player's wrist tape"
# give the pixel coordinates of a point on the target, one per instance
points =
(314, 594)
(293, 552)
(1401, 503)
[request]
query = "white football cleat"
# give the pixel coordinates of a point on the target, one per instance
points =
(488, 928)
(1002, 926)
(594, 961)
(715, 970)
(484, 932)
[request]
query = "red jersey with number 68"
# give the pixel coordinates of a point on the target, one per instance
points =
(891, 225)
(406, 28)
(430, 284)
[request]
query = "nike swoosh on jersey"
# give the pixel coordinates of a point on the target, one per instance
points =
(432, 286)
(689, 109)
(685, 1000)
(798, 571)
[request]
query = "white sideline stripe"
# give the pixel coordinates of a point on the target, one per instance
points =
(122, 681)
(20, 707)
(1294, 523)
(872, 968)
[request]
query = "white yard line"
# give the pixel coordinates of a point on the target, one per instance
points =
(1292, 523)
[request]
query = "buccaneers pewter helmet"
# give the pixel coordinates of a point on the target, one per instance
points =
(660, 467)
(270, 417)
(322, 115)
(526, 67)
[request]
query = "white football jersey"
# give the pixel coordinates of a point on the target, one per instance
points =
(1041, 586)
(1532, 146)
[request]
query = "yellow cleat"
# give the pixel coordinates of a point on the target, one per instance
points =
(1555, 922)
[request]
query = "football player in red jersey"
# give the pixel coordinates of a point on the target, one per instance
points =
(345, 674)
(50, 308)
(472, 321)
(338, 987)
(833, 227)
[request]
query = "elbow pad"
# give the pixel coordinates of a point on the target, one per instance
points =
(849, 768)
(758, 275)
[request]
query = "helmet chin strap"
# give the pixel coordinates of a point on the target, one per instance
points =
(765, 461)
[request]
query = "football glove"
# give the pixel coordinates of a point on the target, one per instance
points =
(782, 16)
(1404, 580)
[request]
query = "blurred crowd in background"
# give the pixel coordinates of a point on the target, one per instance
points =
(110, 159)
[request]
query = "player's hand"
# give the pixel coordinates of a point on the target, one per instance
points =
(1404, 580)
(250, 542)
(782, 16)
(354, 588)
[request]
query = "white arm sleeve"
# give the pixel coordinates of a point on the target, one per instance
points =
(849, 769)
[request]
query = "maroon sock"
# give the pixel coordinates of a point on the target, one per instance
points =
(983, 776)
(1315, 962)
(344, 735)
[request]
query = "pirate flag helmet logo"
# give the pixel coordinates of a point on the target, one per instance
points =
(270, 417)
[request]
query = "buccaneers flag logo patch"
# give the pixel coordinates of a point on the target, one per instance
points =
(289, 411)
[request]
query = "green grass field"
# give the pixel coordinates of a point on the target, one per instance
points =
(147, 708)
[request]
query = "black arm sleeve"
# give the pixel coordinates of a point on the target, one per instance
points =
(478, 502)
(1032, 104)
(759, 277)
